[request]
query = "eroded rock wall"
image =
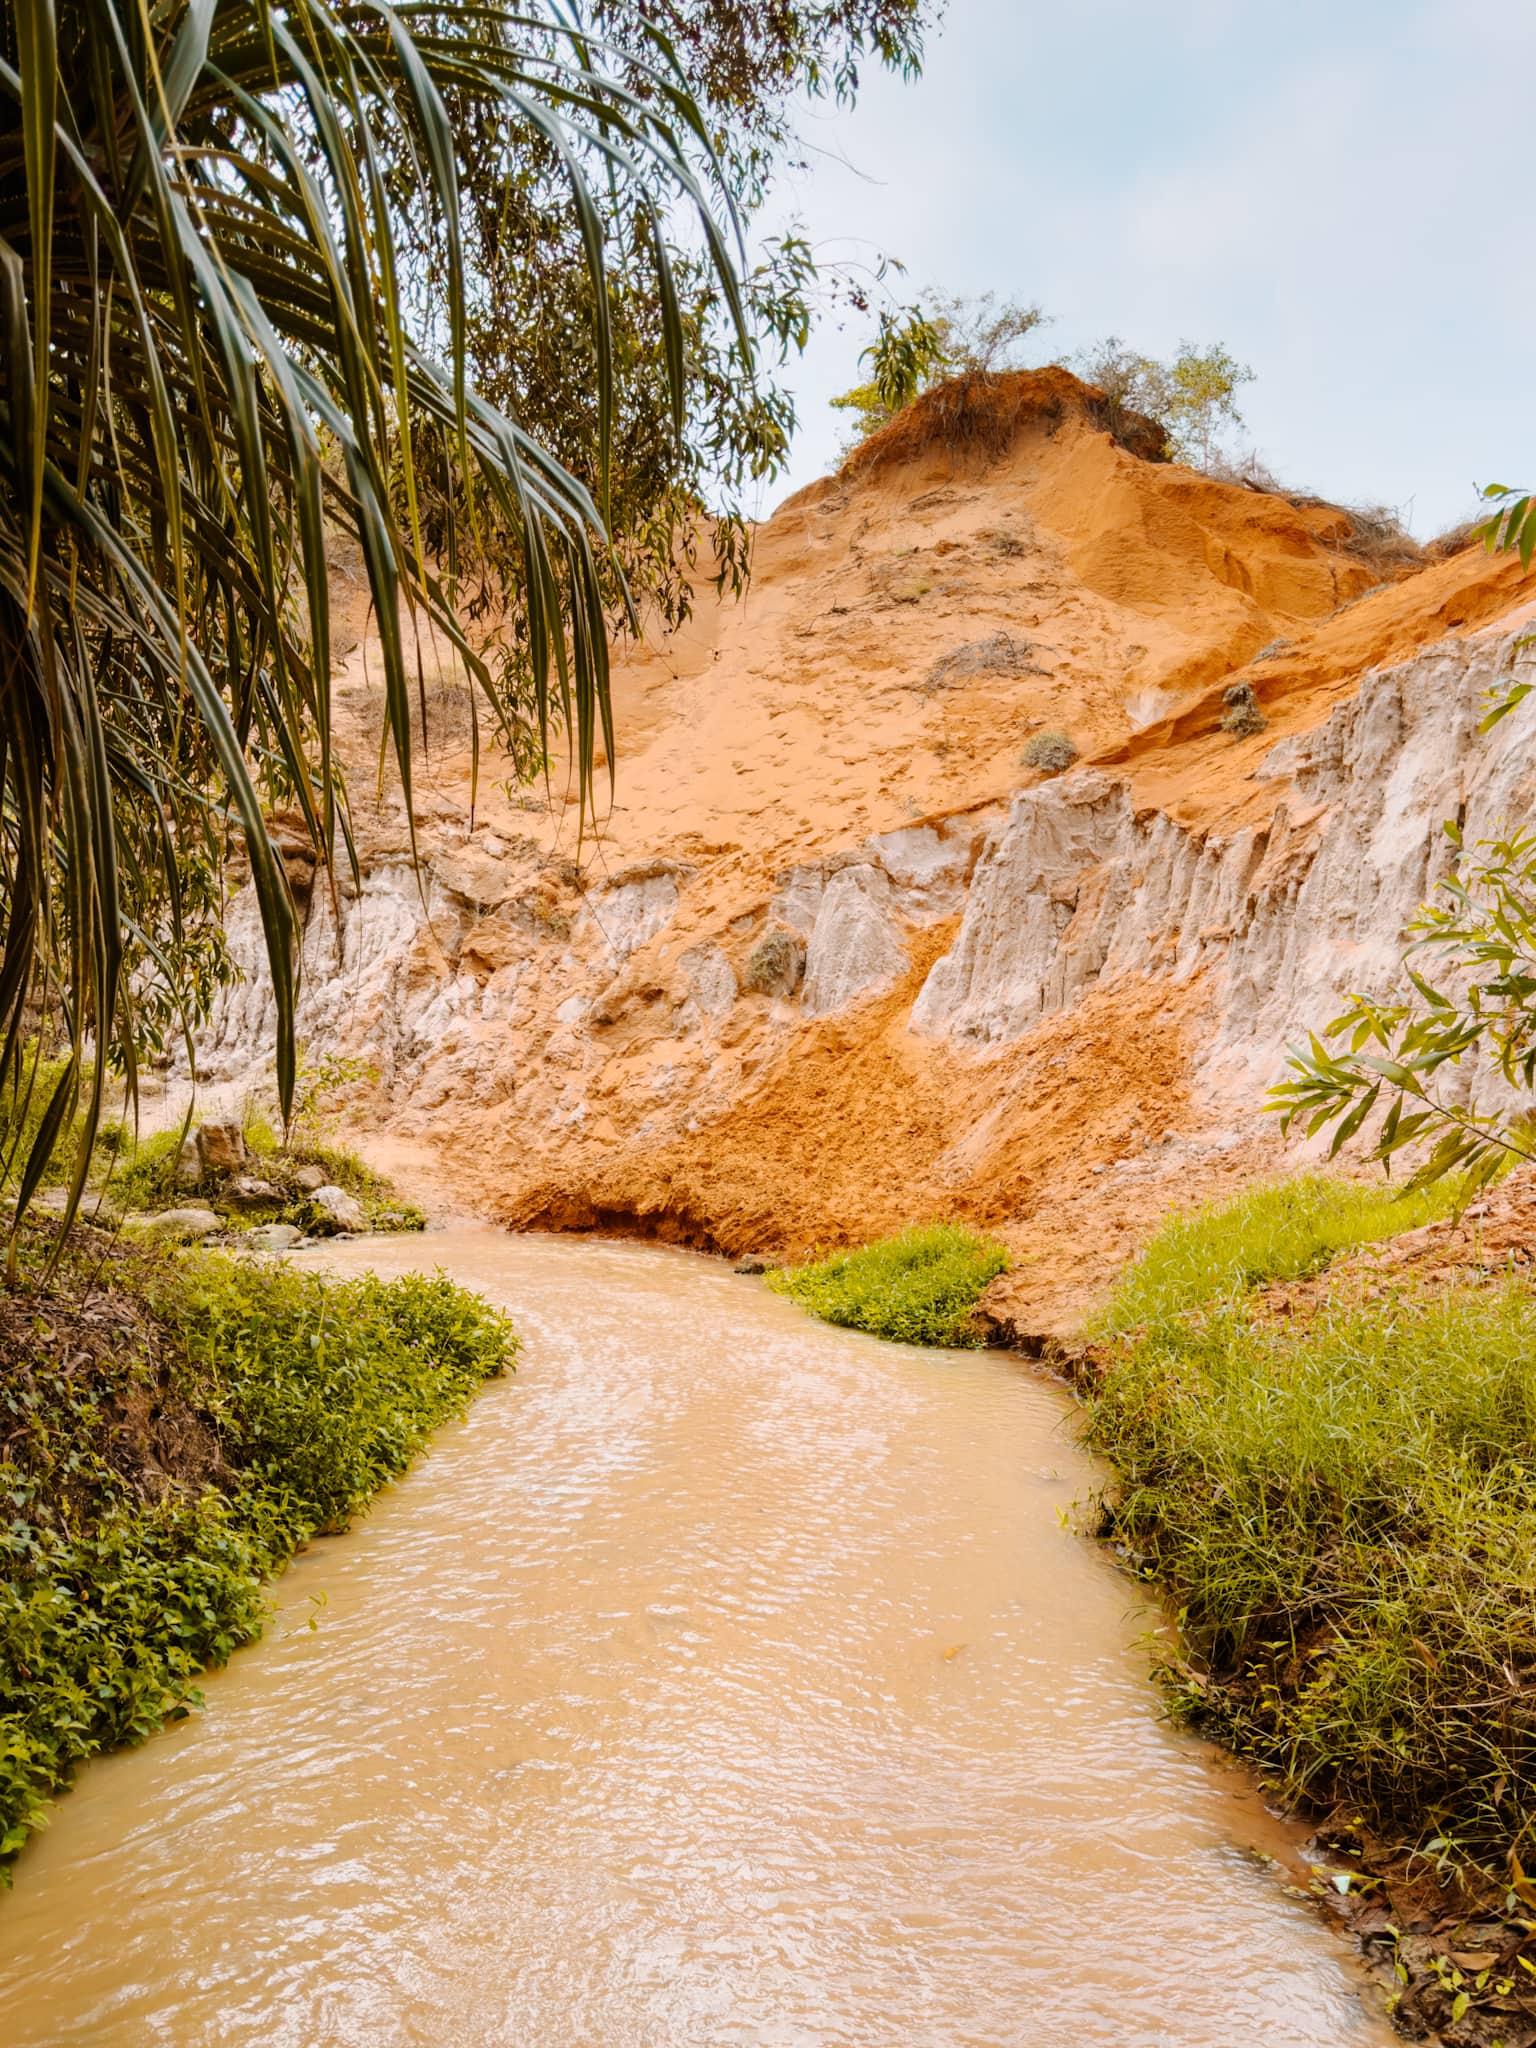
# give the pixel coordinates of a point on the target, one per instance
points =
(569, 1031)
(1285, 919)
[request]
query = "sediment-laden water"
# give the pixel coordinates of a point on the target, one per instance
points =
(722, 1679)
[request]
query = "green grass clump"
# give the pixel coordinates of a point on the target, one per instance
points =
(22, 1108)
(920, 1287)
(221, 1415)
(146, 1177)
(1280, 1232)
(1344, 1511)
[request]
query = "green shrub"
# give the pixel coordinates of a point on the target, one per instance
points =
(261, 1135)
(918, 1288)
(325, 1390)
(146, 1177)
(288, 1401)
(21, 1114)
(1344, 1511)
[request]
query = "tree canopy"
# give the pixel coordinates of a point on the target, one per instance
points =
(260, 269)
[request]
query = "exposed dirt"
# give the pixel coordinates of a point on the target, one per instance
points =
(861, 1127)
(85, 1359)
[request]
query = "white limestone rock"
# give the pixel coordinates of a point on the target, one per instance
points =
(173, 1226)
(855, 946)
(336, 1210)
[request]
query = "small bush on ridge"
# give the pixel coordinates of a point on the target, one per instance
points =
(920, 1287)
(1051, 752)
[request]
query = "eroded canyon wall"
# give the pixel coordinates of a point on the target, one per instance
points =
(829, 969)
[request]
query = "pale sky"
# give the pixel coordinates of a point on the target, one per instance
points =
(1337, 190)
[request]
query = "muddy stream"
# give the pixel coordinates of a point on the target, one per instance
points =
(722, 1679)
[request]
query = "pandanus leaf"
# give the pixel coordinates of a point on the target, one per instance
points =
(215, 219)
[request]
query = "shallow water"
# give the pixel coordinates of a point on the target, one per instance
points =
(722, 1679)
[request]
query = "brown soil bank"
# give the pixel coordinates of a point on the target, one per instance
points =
(839, 958)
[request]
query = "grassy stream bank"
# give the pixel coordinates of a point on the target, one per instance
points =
(172, 1429)
(1325, 1457)
(1328, 1460)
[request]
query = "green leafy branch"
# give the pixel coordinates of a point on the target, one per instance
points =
(1512, 526)
(1398, 1051)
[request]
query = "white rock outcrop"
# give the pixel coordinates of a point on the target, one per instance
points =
(486, 981)
(1286, 920)
(336, 1210)
(854, 948)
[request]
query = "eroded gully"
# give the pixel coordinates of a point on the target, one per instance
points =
(722, 1679)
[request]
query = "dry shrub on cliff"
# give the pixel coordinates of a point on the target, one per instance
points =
(1455, 540)
(1378, 537)
(979, 414)
(1242, 717)
(775, 965)
(1051, 752)
(999, 654)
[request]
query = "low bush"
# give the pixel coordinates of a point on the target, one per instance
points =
(171, 1434)
(776, 964)
(1242, 716)
(1343, 1508)
(999, 654)
(1050, 752)
(920, 1287)
(145, 1177)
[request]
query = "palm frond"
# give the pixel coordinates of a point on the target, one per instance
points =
(214, 220)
